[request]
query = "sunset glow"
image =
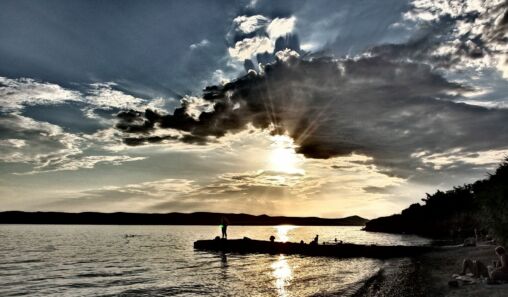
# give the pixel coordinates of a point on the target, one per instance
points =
(283, 157)
(264, 108)
(289, 148)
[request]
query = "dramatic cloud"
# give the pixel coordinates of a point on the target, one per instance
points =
(255, 39)
(249, 47)
(458, 34)
(281, 27)
(370, 105)
(360, 107)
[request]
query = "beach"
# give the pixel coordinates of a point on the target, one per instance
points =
(429, 274)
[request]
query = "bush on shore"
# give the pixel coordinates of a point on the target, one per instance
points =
(457, 213)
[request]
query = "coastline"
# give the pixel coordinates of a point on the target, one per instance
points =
(398, 278)
(428, 275)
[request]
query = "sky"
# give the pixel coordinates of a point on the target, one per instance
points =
(298, 108)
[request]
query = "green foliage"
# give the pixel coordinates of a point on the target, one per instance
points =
(492, 195)
(482, 205)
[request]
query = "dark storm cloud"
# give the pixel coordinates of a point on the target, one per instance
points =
(133, 141)
(371, 105)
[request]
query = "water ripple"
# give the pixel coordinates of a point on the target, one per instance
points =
(47, 260)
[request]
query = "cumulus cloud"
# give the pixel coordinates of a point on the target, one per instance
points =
(258, 38)
(250, 24)
(249, 47)
(281, 27)
(286, 55)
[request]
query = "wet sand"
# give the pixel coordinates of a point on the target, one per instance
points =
(428, 275)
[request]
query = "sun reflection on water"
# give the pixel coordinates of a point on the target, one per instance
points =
(283, 275)
(281, 269)
(282, 232)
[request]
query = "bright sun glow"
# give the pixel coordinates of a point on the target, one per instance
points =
(283, 157)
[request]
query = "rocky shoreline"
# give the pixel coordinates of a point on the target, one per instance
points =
(398, 277)
(428, 275)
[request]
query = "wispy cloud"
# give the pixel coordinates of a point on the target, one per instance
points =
(15, 93)
(47, 147)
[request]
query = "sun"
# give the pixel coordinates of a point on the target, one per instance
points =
(283, 157)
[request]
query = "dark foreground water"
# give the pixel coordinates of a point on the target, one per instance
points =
(73, 260)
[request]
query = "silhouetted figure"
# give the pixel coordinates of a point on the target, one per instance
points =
(272, 238)
(315, 241)
(224, 227)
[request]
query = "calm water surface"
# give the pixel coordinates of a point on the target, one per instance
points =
(74, 260)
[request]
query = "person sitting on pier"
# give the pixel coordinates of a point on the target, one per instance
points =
(315, 241)
(499, 272)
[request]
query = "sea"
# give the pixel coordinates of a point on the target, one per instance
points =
(107, 260)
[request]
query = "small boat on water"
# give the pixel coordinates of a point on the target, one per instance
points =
(340, 250)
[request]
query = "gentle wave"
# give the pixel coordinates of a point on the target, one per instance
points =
(39, 260)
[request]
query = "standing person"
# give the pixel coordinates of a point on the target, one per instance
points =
(224, 227)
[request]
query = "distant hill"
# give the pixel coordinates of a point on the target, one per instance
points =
(197, 218)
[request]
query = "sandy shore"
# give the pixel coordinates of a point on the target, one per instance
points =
(428, 275)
